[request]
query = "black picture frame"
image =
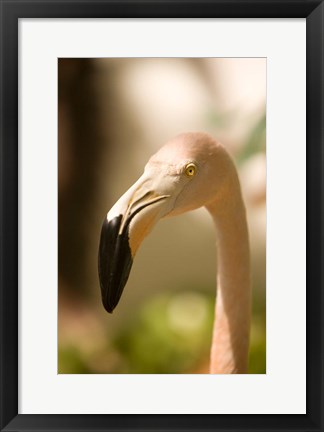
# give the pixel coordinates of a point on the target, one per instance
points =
(11, 12)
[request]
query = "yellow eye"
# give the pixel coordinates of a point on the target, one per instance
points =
(191, 170)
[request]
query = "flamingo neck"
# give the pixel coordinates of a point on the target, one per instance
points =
(230, 343)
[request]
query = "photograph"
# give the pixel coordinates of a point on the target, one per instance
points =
(162, 215)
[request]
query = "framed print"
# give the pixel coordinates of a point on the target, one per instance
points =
(89, 92)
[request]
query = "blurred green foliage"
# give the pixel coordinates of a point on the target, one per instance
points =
(255, 142)
(71, 361)
(169, 334)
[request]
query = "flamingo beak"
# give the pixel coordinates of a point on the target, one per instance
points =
(114, 262)
(127, 223)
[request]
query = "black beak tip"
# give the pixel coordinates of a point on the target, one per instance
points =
(109, 308)
(114, 262)
(108, 302)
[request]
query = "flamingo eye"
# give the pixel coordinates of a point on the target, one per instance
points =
(191, 170)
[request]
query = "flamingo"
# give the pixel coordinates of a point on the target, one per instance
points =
(190, 171)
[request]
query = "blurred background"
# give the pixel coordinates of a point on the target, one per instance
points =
(113, 114)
